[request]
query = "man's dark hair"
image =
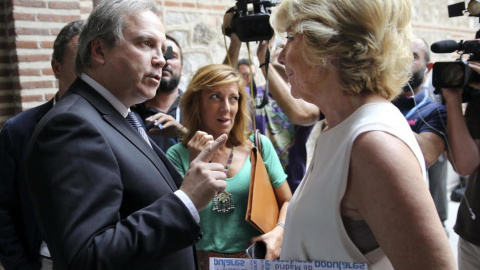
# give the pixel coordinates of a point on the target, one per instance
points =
(243, 61)
(178, 45)
(63, 38)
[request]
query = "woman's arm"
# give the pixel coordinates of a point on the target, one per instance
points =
(233, 51)
(273, 239)
(391, 195)
(198, 142)
(464, 151)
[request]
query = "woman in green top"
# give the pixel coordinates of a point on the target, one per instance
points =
(216, 103)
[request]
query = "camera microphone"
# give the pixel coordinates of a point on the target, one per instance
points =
(445, 46)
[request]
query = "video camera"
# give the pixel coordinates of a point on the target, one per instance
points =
(251, 24)
(457, 74)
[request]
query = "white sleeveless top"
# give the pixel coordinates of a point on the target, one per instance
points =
(314, 229)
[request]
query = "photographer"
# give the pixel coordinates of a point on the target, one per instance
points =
(285, 120)
(464, 140)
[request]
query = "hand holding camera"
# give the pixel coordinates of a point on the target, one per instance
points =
(249, 20)
(456, 95)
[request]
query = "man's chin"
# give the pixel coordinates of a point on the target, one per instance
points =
(166, 88)
(148, 94)
(151, 94)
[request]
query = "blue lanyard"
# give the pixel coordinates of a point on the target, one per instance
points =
(416, 107)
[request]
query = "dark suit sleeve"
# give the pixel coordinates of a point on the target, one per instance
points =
(12, 251)
(76, 182)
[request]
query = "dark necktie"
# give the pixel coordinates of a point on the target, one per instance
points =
(132, 120)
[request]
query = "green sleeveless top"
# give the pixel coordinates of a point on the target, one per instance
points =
(229, 232)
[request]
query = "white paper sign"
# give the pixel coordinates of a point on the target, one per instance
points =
(254, 264)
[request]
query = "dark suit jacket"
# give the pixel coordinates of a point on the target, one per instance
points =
(103, 198)
(20, 237)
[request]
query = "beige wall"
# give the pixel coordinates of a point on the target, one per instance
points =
(29, 27)
(431, 22)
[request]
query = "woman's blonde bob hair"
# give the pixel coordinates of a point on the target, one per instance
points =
(370, 40)
(209, 77)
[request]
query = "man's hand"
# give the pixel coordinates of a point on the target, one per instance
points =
(204, 180)
(167, 126)
(455, 95)
(227, 21)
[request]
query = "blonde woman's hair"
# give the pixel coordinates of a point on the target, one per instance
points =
(208, 77)
(371, 40)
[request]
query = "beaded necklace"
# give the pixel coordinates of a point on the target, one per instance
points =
(229, 161)
(223, 202)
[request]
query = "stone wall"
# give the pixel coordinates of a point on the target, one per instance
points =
(197, 27)
(29, 27)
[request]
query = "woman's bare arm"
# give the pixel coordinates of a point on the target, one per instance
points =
(386, 186)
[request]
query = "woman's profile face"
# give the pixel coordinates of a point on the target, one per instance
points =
(302, 76)
(218, 108)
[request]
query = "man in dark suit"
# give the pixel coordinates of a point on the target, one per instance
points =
(105, 197)
(20, 239)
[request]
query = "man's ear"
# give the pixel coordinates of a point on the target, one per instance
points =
(429, 66)
(97, 51)
(56, 67)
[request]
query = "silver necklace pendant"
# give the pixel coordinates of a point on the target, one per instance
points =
(223, 202)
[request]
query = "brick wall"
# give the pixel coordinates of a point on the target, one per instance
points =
(26, 77)
(28, 29)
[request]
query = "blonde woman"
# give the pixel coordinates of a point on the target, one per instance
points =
(364, 197)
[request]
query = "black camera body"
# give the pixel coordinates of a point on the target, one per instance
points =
(251, 24)
(457, 74)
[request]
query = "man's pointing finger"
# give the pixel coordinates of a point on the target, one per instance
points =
(207, 153)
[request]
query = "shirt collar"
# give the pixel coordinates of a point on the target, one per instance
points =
(420, 95)
(104, 92)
